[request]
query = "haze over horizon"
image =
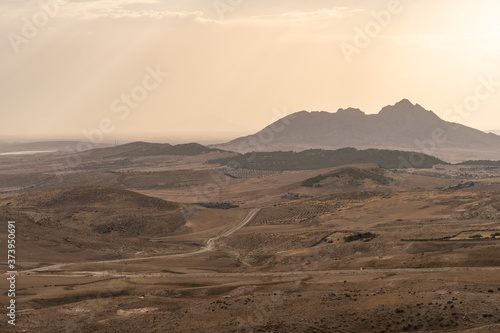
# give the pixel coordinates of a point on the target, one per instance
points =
(235, 67)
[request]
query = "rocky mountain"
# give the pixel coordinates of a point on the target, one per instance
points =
(403, 126)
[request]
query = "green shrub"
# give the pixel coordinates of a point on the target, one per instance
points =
(365, 236)
(376, 175)
(217, 205)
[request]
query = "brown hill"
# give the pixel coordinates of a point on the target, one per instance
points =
(137, 149)
(99, 210)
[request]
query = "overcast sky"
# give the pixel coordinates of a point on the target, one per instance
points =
(229, 67)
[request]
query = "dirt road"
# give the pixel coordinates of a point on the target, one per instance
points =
(209, 246)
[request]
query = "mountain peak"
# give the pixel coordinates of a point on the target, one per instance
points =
(350, 111)
(405, 107)
(404, 103)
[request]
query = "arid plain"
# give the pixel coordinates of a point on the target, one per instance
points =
(161, 241)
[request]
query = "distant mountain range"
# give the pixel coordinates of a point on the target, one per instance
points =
(139, 148)
(403, 126)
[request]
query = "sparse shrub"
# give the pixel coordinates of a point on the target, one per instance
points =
(406, 327)
(356, 174)
(313, 180)
(365, 236)
(217, 205)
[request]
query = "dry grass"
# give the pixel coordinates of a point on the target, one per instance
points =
(89, 224)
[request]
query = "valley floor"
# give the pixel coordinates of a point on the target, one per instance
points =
(131, 250)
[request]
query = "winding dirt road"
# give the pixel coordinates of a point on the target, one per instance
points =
(209, 246)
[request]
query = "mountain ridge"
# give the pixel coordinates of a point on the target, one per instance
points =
(402, 126)
(141, 148)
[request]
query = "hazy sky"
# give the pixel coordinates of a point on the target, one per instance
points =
(235, 66)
